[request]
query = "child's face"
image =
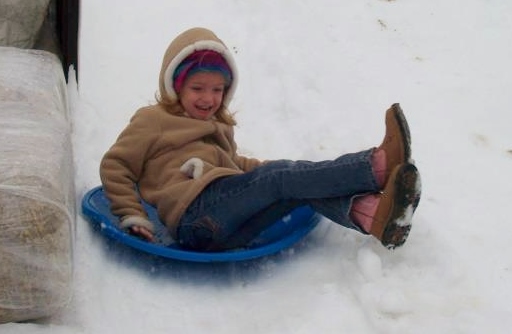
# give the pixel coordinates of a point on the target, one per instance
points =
(202, 93)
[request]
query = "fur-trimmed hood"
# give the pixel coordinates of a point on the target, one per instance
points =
(183, 45)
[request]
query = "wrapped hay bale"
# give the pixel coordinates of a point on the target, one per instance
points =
(20, 21)
(37, 207)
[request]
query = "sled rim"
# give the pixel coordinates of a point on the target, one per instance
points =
(95, 208)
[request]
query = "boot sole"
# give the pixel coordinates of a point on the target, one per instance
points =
(404, 130)
(406, 198)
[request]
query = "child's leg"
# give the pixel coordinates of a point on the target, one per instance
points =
(253, 227)
(387, 216)
(229, 202)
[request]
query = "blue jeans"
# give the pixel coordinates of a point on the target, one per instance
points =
(233, 210)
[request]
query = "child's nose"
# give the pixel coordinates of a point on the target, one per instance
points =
(208, 96)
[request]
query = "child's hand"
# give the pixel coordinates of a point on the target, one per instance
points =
(142, 233)
(138, 226)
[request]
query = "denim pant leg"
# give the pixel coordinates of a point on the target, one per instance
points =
(262, 220)
(227, 203)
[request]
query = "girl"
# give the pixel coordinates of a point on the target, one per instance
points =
(181, 157)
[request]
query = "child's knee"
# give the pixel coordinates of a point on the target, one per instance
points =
(200, 234)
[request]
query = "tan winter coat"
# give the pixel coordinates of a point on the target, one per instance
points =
(171, 158)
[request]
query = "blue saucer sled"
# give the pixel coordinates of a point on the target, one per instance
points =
(282, 234)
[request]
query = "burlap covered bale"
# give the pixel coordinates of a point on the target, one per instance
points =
(36, 186)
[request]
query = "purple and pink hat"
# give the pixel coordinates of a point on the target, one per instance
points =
(201, 61)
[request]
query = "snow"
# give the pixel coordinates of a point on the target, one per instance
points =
(315, 80)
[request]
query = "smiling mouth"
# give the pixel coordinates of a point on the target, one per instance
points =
(206, 109)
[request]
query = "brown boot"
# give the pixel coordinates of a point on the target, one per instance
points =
(398, 201)
(397, 141)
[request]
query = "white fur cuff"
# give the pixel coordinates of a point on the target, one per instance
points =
(130, 221)
(193, 168)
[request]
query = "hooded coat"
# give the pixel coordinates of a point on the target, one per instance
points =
(169, 158)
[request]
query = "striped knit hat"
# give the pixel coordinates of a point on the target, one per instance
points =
(201, 61)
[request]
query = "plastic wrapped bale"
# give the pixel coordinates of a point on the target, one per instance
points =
(37, 206)
(20, 21)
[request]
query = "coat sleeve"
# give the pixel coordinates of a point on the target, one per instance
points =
(122, 165)
(247, 164)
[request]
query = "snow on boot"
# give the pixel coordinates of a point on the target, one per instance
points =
(399, 199)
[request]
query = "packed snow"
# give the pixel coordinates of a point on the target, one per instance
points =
(316, 77)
